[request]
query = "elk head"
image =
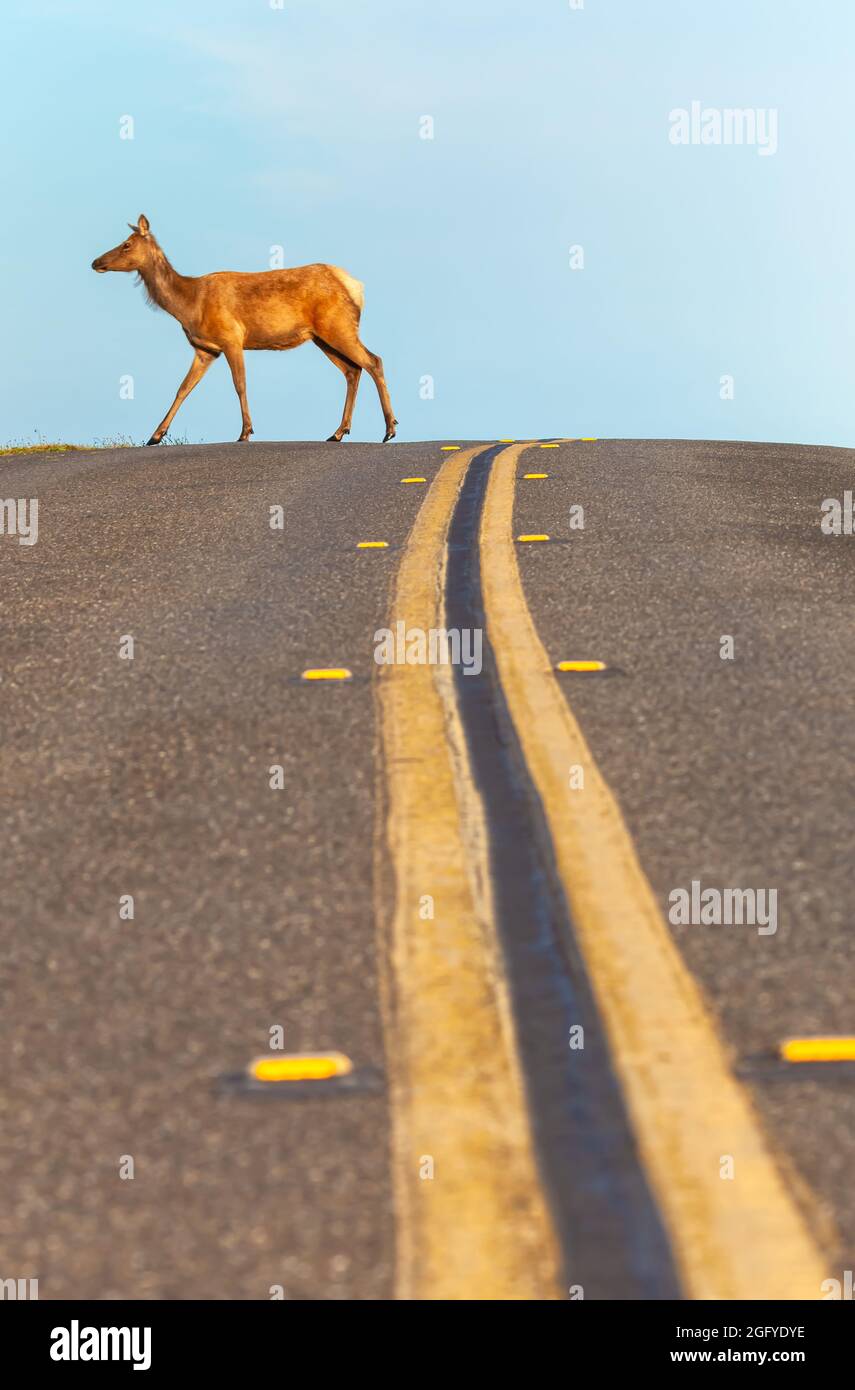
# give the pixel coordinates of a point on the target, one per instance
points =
(132, 254)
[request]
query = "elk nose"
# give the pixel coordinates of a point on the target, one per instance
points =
(96, 264)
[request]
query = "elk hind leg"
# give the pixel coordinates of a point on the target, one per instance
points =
(358, 353)
(352, 374)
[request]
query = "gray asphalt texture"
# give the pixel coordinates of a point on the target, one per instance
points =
(735, 773)
(253, 907)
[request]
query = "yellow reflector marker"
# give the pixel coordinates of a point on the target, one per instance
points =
(550, 446)
(507, 441)
(589, 439)
(448, 448)
(532, 538)
(371, 545)
(535, 475)
(414, 480)
(296, 1066)
(581, 666)
(818, 1050)
(332, 673)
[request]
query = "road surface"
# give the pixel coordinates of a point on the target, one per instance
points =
(461, 881)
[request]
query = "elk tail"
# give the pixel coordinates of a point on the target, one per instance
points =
(355, 288)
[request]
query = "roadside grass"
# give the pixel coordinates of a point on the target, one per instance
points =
(37, 448)
(113, 441)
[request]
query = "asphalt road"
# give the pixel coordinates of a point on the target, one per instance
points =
(254, 907)
(734, 773)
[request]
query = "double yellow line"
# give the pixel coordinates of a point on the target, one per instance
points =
(472, 1220)
(470, 1217)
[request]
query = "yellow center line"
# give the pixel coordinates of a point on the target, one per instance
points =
(471, 1219)
(740, 1239)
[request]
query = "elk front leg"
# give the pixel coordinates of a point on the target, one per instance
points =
(201, 363)
(234, 357)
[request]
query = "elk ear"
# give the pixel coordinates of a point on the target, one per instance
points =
(143, 225)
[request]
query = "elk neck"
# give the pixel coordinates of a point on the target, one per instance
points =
(165, 287)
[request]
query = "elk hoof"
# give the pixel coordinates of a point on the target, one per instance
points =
(337, 437)
(155, 439)
(244, 438)
(390, 433)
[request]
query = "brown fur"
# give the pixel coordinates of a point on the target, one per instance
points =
(229, 312)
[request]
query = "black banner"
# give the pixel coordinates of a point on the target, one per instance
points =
(160, 1338)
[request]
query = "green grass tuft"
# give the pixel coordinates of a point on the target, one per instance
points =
(113, 441)
(38, 448)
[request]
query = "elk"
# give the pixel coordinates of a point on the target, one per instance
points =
(230, 311)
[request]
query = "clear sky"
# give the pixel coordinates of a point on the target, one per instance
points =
(256, 126)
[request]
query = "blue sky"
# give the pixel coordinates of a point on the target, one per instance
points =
(299, 126)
